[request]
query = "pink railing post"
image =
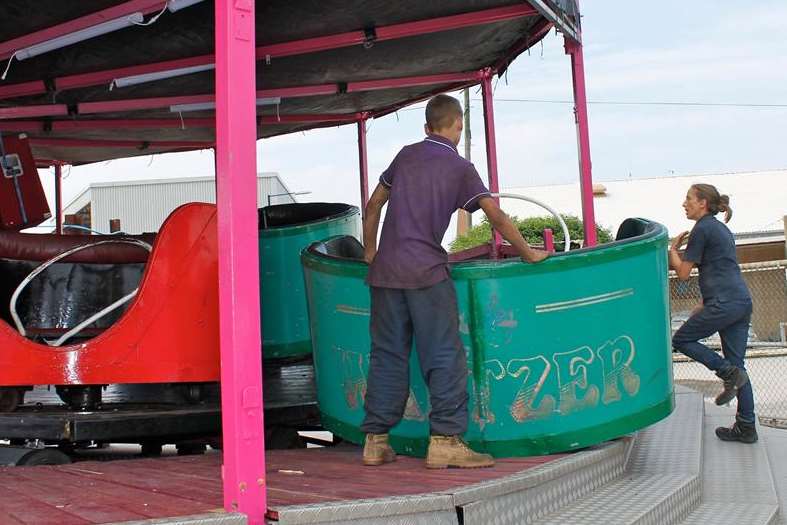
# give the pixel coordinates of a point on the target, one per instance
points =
(239, 301)
(491, 146)
(574, 49)
(363, 164)
(549, 240)
(58, 198)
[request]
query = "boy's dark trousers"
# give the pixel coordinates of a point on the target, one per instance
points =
(430, 316)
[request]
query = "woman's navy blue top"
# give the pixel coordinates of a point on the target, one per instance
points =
(712, 248)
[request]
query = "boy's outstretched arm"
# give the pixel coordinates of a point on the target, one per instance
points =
(500, 222)
(371, 221)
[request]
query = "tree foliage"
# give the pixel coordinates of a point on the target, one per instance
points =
(532, 230)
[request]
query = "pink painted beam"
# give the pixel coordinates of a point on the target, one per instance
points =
(414, 81)
(363, 165)
(426, 96)
(152, 123)
(138, 144)
(309, 118)
(171, 123)
(105, 77)
(491, 147)
(447, 23)
(239, 300)
(574, 49)
(299, 91)
(58, 199)
(395, 31)
(22, 126)
(112, 106)
(8, 47)
(46, 110)
(296, 47)
(23, 88)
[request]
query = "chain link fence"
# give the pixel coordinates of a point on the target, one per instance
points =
(766, 357)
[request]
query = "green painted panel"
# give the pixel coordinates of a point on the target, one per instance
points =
(285, 322)
(563, 354)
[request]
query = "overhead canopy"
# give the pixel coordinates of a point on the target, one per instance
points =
(320, 63)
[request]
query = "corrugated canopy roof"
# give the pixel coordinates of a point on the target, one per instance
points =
(321, 59)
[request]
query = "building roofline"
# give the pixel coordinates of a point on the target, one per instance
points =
(662, 177)
(81, 200)
(176, 180)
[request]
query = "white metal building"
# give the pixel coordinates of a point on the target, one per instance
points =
(143, 205)
(758, 200)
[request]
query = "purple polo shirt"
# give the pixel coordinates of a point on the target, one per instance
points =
(428, 181)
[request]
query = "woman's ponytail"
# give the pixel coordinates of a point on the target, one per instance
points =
(716, 203)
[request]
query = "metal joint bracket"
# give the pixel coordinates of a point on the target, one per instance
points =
(369, 36)
(486, 73)
(565, 26)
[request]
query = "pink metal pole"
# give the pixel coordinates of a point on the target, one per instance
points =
(363, 165)
(239, 300)
(574, 49)
(58, 198)
(491, 146)
(549, 240)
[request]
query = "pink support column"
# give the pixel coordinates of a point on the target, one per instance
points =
(58, 198)
(491, 147)
(549, 240)
(363, 164)
(239, 301)
(574, 49)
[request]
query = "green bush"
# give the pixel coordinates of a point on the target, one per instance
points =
(532, 230)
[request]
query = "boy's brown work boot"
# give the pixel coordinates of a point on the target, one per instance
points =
(452, 451)
(377, 451)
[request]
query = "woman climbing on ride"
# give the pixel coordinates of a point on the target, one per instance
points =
(726, 304)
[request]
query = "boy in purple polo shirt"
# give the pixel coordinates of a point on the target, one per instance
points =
(412, 294)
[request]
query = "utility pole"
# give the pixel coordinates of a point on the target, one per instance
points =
(465, 220)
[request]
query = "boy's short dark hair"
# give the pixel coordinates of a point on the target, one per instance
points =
(442, 111)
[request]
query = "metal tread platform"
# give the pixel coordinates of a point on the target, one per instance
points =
(674, 472)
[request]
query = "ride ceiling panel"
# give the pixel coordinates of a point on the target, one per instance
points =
(189, 33)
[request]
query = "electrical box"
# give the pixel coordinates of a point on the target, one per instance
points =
(22, 200)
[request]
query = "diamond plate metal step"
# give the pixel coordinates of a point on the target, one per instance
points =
(737, 479)
(674, 472)
(775, 441)
(512, 499)
(733, 514)
(424, 509)
(211, 518)
(524, 498)
(662, 483)
(641, 500)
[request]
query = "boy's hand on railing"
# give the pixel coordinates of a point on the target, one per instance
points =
(534, 256)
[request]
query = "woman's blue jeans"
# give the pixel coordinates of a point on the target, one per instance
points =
(731, 320)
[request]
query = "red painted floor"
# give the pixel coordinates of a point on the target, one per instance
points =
(93, 492)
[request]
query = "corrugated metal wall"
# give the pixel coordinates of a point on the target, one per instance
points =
(143, 207)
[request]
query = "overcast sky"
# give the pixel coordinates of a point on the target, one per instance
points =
(673, 51)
